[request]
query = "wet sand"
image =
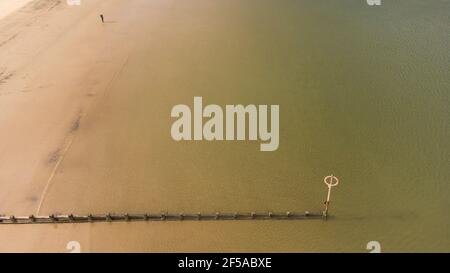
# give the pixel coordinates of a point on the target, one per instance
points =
(85, 122)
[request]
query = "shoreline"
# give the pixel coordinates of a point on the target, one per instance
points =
(85, 125)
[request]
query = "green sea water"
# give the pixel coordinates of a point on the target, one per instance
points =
(364, 94)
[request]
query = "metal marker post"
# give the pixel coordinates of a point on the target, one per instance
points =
(330, 181)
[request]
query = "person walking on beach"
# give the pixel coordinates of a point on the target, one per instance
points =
(101, 17)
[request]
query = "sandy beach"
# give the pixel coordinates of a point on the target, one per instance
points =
(85, 123)
(9, 6)
(61, 70)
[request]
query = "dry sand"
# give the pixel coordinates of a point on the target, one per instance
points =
(55, 62)
(9, 6)
(49, 73)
